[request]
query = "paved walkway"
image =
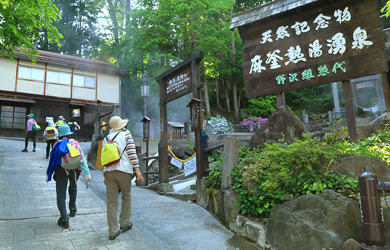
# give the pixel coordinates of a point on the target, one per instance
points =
(28, 213)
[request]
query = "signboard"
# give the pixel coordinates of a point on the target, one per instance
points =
(190, 166)
(315, 44)
(49, 119)
(178, 84)
(175, 162)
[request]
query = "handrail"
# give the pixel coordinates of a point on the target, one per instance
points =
(150, 158)
(103, 115)
(213, 148)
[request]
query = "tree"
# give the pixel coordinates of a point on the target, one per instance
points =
(386, 9)
(78, 26)
(21, 22)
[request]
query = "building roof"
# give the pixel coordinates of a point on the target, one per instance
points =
(73, 62)
(266, 10)
(176, 124)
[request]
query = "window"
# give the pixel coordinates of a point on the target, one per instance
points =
(30, 73)
(58, 77)
(84, 81)
(13, 117)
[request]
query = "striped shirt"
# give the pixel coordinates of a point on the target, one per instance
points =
(130, 149)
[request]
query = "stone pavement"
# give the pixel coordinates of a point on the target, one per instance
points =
(28, 213)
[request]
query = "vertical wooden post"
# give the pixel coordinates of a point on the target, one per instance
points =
(96, 130)
(386, 92)
(163, 154)
(195, 73)
(280, 100)
(348, 102)
(147, 161)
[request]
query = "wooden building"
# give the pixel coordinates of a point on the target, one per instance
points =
(175, 130)
(55, 85)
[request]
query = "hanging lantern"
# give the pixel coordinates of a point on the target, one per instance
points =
(146, 127)
(195, 106)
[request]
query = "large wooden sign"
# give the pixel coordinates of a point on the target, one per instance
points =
(178, 84)
(180, 80)
(317, 43)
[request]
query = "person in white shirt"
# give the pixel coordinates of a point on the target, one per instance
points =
(118, 177)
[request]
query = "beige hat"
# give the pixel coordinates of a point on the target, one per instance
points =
(117, 123)
(61, 118)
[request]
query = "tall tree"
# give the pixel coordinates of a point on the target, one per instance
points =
(21, 21)
(79, 27)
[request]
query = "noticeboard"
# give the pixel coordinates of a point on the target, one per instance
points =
(315, 44)
(178, 84)
(179, 80)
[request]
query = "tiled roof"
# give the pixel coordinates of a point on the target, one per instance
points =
(73, 62)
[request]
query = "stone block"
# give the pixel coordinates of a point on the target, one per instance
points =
(314, 222)
(163, 188)
(229, 209)
(251, 230)
(353, 166)
(202, 198)
(230, 159)
(351, 244)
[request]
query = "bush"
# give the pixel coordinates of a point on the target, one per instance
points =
(267, 176)
(218, 125)
(253, 121)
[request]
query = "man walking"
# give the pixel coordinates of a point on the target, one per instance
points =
(30, 133)
(118, 177)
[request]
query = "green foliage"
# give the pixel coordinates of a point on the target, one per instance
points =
(79, 27)
(386, 9)
(278, 172)
(314, 100)
(21, 22)
(261, 106)
(214, 177)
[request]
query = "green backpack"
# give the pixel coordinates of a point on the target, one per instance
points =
(36, 127)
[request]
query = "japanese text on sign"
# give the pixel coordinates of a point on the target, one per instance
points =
(333, 45)
(178, 83)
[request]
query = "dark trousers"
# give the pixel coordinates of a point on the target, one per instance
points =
(32, 135)
(49, 145)
(61, 178)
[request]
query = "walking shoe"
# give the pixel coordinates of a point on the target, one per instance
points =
(34, 150)
(113, 237)
(25, 150)
(73, 212)
(63, 223)
(126, 228)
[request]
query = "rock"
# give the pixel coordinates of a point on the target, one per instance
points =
(314, 222)
(353, 166)
(351, 244)
(283, 124)
(251, 230)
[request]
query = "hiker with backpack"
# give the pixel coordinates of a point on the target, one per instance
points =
(119, 158)
(32, 129)
(60, 121)
(74, 127)
(50, 134)
(66, 161)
